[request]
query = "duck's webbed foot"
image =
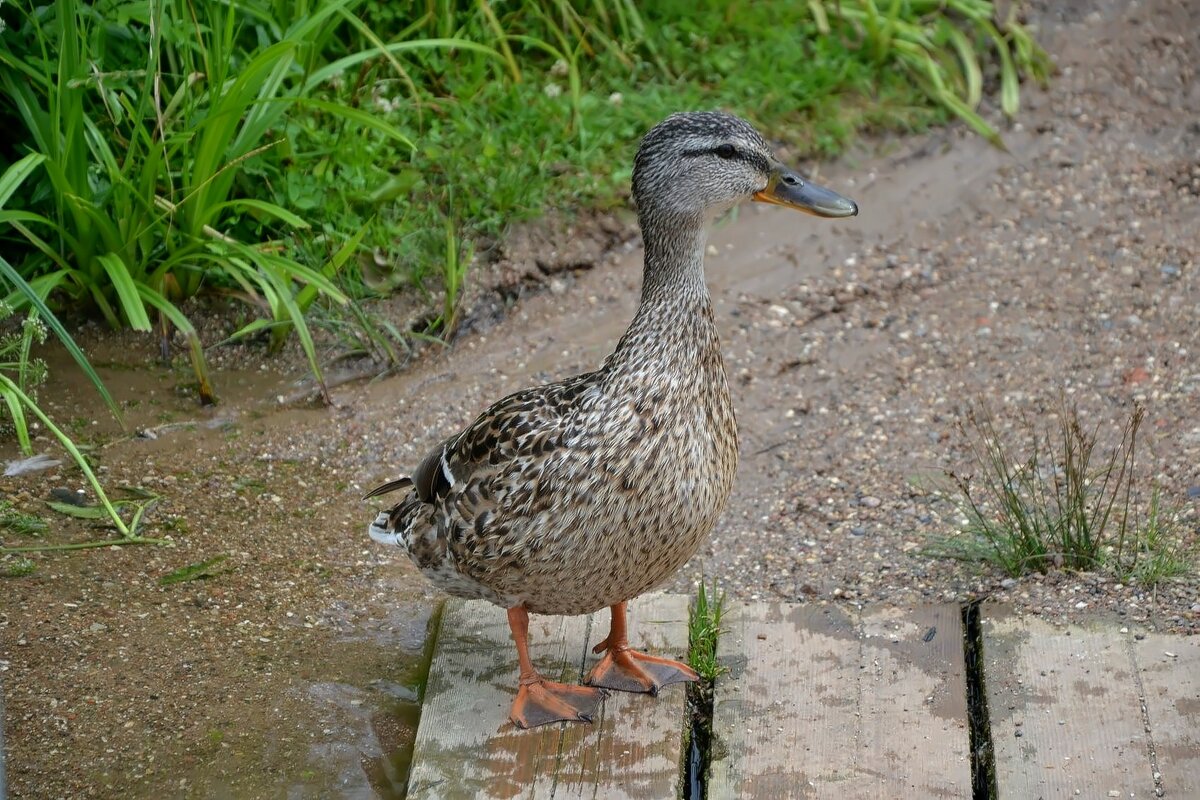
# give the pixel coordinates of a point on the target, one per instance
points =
(540, 702)
(626, 670)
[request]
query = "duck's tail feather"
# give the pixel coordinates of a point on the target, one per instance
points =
(390, 486)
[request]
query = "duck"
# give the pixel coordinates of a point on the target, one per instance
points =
(582, 494)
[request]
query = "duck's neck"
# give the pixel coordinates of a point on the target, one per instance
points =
(673, 278)
(675, 313)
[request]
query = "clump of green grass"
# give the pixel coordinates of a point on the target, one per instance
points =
(18, 568)
(21, 522)
(943, 47)
(295, 156)
(1162, 550)
(144, 129)
(704, 630)
(1062, 504)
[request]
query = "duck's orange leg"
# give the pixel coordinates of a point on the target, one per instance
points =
(627, 670)
(540, 701)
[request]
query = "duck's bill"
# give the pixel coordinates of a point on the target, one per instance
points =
(789, 189)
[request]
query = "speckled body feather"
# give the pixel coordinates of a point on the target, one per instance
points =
(580, 494)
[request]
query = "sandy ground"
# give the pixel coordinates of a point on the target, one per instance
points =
(1067, 267)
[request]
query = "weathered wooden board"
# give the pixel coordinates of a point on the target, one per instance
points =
(1065, 712)
(466, 747)
(1169, 667)
(820, 702)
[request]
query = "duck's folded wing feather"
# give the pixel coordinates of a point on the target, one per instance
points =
(526, 424)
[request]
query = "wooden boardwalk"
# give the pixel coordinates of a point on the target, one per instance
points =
(822, 702)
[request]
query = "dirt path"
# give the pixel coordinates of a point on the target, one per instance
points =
(1068, 266)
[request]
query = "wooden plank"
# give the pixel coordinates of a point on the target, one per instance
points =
(1065, 714)
(635, 749)
(1169, 667)
(466, 747)
(822, 702)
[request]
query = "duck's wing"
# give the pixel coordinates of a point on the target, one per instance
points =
(528, 424)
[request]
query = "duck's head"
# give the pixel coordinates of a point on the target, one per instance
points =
(696, 165)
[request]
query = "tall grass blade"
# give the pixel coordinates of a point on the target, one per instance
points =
(195, 349)
(127, 292)
(501, 39)
(34, 299)
(16, 174)
(1010, 84)
(969, 62)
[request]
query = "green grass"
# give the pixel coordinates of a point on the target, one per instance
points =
(1057, 502)
(1162, 549)
(17, 568)
(564, 135)
(704, 630)
(201, 570)
(21, 522)
(141, 121)
(302, 155)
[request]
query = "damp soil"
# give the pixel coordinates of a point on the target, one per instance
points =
(1067, 266)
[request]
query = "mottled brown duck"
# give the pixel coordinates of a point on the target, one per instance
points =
(582, 494)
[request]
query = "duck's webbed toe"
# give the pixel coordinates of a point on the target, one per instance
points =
(541, 702)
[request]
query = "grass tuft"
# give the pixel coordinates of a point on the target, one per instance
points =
(18, 568)
(704, 629)
(1062, 504)
(21, 522)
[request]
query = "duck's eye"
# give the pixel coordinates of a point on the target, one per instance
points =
(726, 151)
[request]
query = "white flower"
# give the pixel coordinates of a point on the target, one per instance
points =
(552, 90)
(616, 98)
(559, 69)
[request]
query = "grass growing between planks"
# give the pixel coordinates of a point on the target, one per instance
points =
(1062, 503)
(704, 632)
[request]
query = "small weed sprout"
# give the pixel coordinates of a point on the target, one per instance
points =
(1062, 505)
